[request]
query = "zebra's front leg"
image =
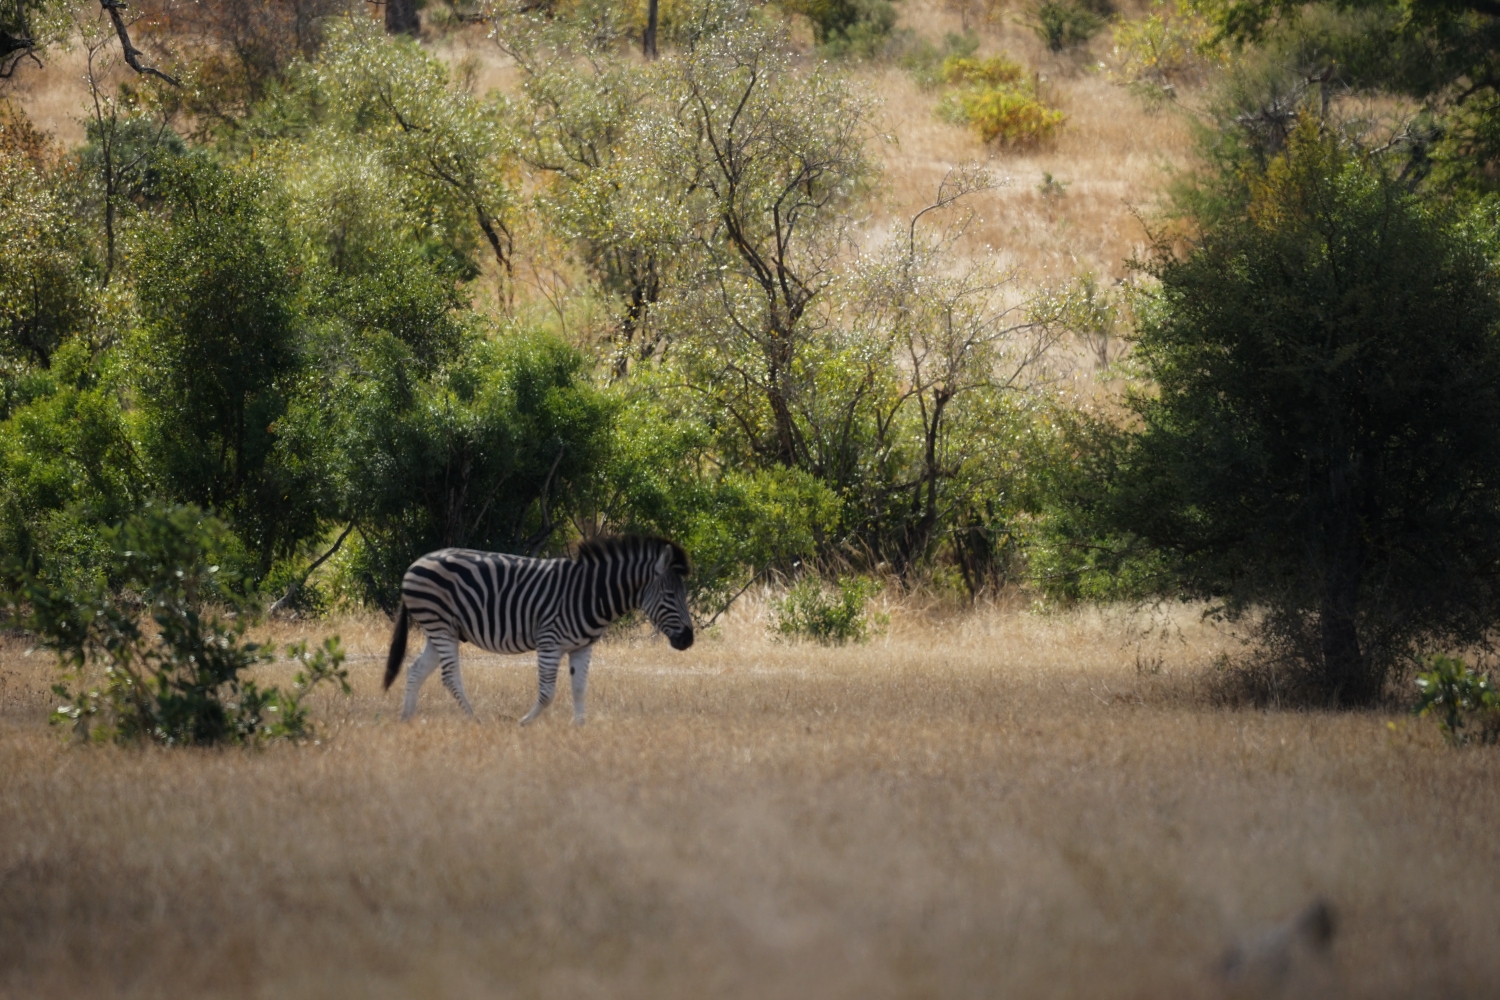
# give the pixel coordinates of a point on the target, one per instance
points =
(546, 673)
(578, 669)
(453, 679)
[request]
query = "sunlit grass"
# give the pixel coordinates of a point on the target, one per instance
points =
(994, 804)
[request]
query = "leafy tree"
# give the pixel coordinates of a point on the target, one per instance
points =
(487, 454)
(1441, 51)
(371, 264)
(450, 147)
(216, 359)
(68, 469)
(959, 360)
(774, 159)
(589, 108)
(237, 54)
(47, 290)
(1324, 431)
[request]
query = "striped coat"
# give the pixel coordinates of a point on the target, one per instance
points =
(511, 604)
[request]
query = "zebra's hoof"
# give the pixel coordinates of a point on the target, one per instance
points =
(579, 720)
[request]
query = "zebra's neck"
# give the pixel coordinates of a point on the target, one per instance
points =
(615, 587)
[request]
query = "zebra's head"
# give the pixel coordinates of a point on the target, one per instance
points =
(664, 597)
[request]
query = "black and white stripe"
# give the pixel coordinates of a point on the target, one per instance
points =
(511, 604)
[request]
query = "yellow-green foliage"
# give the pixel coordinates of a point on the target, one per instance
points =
(1166, 46)
(996, 71)
(1012, 117)
(995, 97)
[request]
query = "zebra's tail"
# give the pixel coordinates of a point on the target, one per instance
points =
(398, 649)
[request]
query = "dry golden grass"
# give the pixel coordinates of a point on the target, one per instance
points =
(55, 97)
(992, 805)
(1111, 157)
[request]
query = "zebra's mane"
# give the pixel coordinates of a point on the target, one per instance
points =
(605, 546)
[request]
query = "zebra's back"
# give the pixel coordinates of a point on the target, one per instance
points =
(496, 601)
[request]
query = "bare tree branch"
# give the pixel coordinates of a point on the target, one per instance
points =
(132, 54)
(296, 585)
(536, 541)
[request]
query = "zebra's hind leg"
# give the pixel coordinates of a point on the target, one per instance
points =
(578, 668)
(546, 673)
(453, 680)
(421, 669)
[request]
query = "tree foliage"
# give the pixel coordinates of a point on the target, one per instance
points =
(1321, 438)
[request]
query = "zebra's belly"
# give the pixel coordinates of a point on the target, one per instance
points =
(525, 642)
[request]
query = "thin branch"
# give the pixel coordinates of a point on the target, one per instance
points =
(737, 595)
(132, 54)
(296, 585)
(536, 541)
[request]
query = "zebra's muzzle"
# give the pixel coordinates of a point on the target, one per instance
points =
(682, 640)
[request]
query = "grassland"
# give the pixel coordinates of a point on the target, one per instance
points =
(994, 804)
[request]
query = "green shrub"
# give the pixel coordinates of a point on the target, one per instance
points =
(1462, 696)
(489, 453)
(67, 470)
(810, 610)
(859, 28)
(1065, 25)
(181, 682)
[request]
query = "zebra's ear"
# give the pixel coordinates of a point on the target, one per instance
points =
(664, 560)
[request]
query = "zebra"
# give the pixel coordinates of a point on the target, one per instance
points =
(511, 604)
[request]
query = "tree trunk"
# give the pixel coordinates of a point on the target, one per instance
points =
(1344, 668)
(1351, 679)
(401, 17)
(648, 40)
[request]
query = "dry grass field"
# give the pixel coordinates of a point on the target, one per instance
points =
(990, 805)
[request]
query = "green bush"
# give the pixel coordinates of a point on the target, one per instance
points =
(1462, 697)
(488, 453)
(181, 682)
(848, 27)
(67, 468)
(1065, 25)
(810, 610)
